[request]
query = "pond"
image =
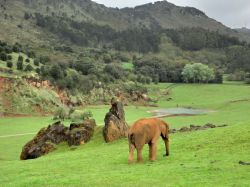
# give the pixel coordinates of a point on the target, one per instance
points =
(178, 112)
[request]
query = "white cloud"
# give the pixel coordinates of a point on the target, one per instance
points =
(233, 13)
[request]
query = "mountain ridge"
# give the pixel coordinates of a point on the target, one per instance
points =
(19, 19)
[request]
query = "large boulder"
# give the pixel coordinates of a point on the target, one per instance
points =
(46, 139)
(81, 133)
(115, 125)
(44, 142)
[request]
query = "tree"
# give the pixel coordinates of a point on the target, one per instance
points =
(9, 64)
(188, 73)
(3, 56)
(238, 58)
(38, 70)
(9, 57)
(19, 65)
(31, 54)
(27, 60)
(20, 58)
(86, 66)
(115, 71)
(247, 79)
(56, 72)
(197, 73)
(26, 15)
(28, 68)
(36, 62)
(107, 58)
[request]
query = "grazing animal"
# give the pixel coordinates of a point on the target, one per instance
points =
(147, 131)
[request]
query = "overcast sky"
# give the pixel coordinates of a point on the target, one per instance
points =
(232, 13)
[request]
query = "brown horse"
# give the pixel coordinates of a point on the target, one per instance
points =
(147, 131)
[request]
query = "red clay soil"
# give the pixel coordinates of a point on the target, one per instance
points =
(40, 111)
(5, 86)
(2, 84)
(47, 85)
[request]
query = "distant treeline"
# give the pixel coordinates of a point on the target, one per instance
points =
(90, 34)
(141, 40)
(159, 70)
(199, 38)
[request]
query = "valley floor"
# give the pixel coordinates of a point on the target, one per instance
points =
(201, 158)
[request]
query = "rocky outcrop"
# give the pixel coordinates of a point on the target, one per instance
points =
(80, 133)
(115, 125)
(47, 138)
(196, 128)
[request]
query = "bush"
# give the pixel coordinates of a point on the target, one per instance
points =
(247, 79)
(80, 116)
(36, 62)
(44, 59)
(9, 57)
(9, 64)
(27, 16)
(31, 54)
(38, 70)
(20, 58)
(19, 65)
(3, 56)
(28, 68)
(237, 76)
(8, 49)
(27, 60)
(16, 48)
(107, 58)
(114, 70)
(197, 73)
(61, 113)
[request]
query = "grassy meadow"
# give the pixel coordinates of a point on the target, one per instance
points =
(202, 158)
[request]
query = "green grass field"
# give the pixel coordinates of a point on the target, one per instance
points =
(202, 158)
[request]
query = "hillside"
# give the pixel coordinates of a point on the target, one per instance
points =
(18, 18)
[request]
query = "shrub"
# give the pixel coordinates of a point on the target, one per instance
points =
(19, 65)
(31, 54)
(9, 64)
(8, 49)
(197, 73)
(27, 16)
(28, 68)
(61, 113)
(36, 62)
(44, 59)
(237, 76)
(107, 58)
(16, 48)
(38, 70)
(27, 60)
(114, 70)
(80, 116)
(20, 58)
(9, 57)
(247, 78)
(3, 56)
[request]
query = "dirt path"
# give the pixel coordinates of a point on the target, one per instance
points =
(15, 135)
